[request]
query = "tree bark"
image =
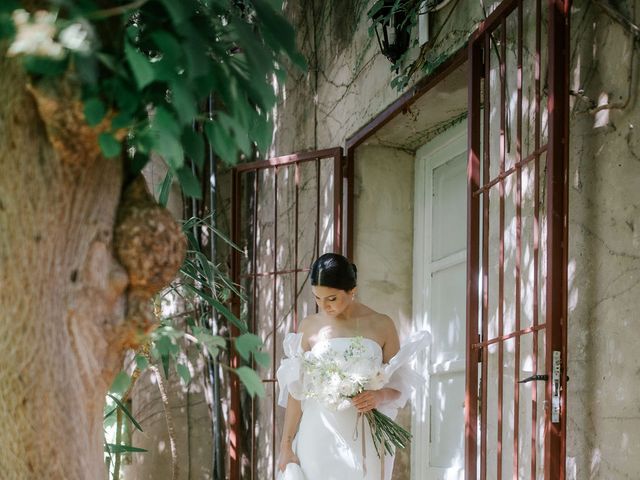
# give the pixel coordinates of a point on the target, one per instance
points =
(63, 294)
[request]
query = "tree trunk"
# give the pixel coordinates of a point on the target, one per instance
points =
(62, 293)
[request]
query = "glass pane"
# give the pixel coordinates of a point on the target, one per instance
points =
(447, 420)
(449, 207)
(449, 314)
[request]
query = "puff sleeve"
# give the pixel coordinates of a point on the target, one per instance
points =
(399, 374)
(290, 372)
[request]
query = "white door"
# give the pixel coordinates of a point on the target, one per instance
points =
(439, 304)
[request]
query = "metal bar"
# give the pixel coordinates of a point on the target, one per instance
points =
(274, 322)
(502, 176)
(503, 79)
(337, 204)
(516, 393)
(254, 307)
(491, 22)
(536, 237)
(508, 336)
(289, 159)
(295, 248)
(235, 452)
(473, 179)
(486, 173)
(318, 185)
(557, 172)
(278, 272)
(350, 167)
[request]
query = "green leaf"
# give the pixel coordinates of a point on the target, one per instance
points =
(239, 132)
(218, 306)
(184, 103)
(165, 359)
(176, 10)
(204, 267)
(212, 342)
(48, 67)
(94, 111)
(168, 46)
(140, 66)
(221, 142)
(193, 145)
(170, 149)
(141, 362)
(121, 120)
(7, 27)
(262, 132)
(165, 189)
(113, 448)
(164, 345)
(126, 411)
(262, 358)
(120, 383)
(109, 145)
(109, 413)
(8, 6)
(278, 31)
(246, 344)
(184, 372)
(163, 121)
(189, 183)
(251, 381)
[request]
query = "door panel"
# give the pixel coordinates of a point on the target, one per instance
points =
(439, 303)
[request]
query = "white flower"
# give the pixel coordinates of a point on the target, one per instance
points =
(75, 37)
(35, 37)
(377, 381)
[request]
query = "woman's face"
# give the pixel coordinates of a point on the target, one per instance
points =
(332, 301)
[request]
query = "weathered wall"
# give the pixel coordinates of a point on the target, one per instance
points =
(383, 246)
(348, 80)
(604, 248)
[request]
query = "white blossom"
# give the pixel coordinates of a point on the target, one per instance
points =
(75, 37)
(34, 35)
(333, 378)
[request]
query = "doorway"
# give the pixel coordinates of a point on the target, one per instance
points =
(439, 281)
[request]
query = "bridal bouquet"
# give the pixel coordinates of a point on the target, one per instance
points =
(333, 378)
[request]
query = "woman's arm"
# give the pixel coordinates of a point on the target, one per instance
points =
(291, 420)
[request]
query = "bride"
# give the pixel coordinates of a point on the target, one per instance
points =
(325, 438)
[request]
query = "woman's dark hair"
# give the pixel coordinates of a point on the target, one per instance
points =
(334, 271)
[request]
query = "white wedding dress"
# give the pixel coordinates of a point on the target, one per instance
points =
(336, 444)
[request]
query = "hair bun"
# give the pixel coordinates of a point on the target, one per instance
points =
(355, 269)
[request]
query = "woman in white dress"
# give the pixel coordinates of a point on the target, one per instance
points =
(323, 441)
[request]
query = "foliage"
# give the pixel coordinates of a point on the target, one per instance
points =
(145, 67)
(201, 287)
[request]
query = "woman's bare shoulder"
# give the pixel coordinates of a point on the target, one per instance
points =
(380, 320)
(308, 327)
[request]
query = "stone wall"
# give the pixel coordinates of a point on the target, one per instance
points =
(604, 248)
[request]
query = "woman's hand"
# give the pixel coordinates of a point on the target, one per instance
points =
(368, 400)
(287, 456)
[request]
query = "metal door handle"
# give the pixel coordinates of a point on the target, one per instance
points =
(535, 378)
